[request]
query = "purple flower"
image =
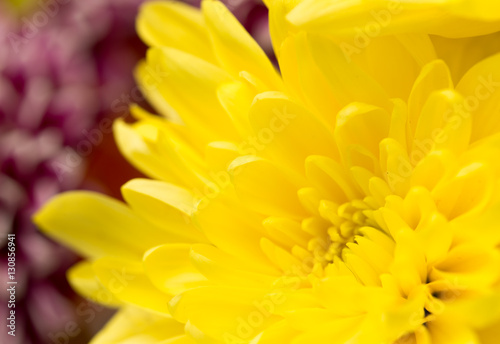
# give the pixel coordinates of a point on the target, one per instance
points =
(57, 81)
(63, 66)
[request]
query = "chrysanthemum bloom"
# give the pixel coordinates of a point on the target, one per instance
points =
(352, 199)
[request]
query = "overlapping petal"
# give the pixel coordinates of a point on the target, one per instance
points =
(355, 199)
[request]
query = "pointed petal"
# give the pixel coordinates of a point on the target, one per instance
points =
(95, 225)
(133, 325)
(264, 188)
(83, 280)
(165, 205)
(127, 282)
(170, 270)
(186, 28)
(235, 49)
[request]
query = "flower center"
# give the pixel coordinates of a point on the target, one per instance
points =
(341, 223)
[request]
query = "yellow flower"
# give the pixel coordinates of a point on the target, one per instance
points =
(452, 25)
(448, 18)
(346, 199)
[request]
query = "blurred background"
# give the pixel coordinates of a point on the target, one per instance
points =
(65, 74)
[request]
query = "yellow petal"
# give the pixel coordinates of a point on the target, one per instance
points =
(149, 143)
(361, 125)
(280, 332)
(234, 47)
(148, 81)
(236, 312)
(127, 282)
(96, 225)
(393, 61)
(436, 237)
(284, 260)
(429, 170)
(286, 231)
(186, 75)
(374, 18)
(469, 266)
(133, 325)
(134, 147)
(170, 270)
(442, 125)
(219, 155)
(236, 98)
(337, 331)
(467, 193)
(394, 165)
(329, 177)
(363, 270)
(490, 335)
(233, 231)
(186, 28)
(348, 81)
(409, 265)
(485, 223)
(83, 279)
(443, 332)
(463, 53)
(372, 253)
(279, 27)
(480, 88)
(379, 190)
(222, 268)
(337, 294)
(399, 129)
(165, 205)
(479, 312)
(288, 133)
(264, 188)
(434, 76)
(305, 79)
(183, 339)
